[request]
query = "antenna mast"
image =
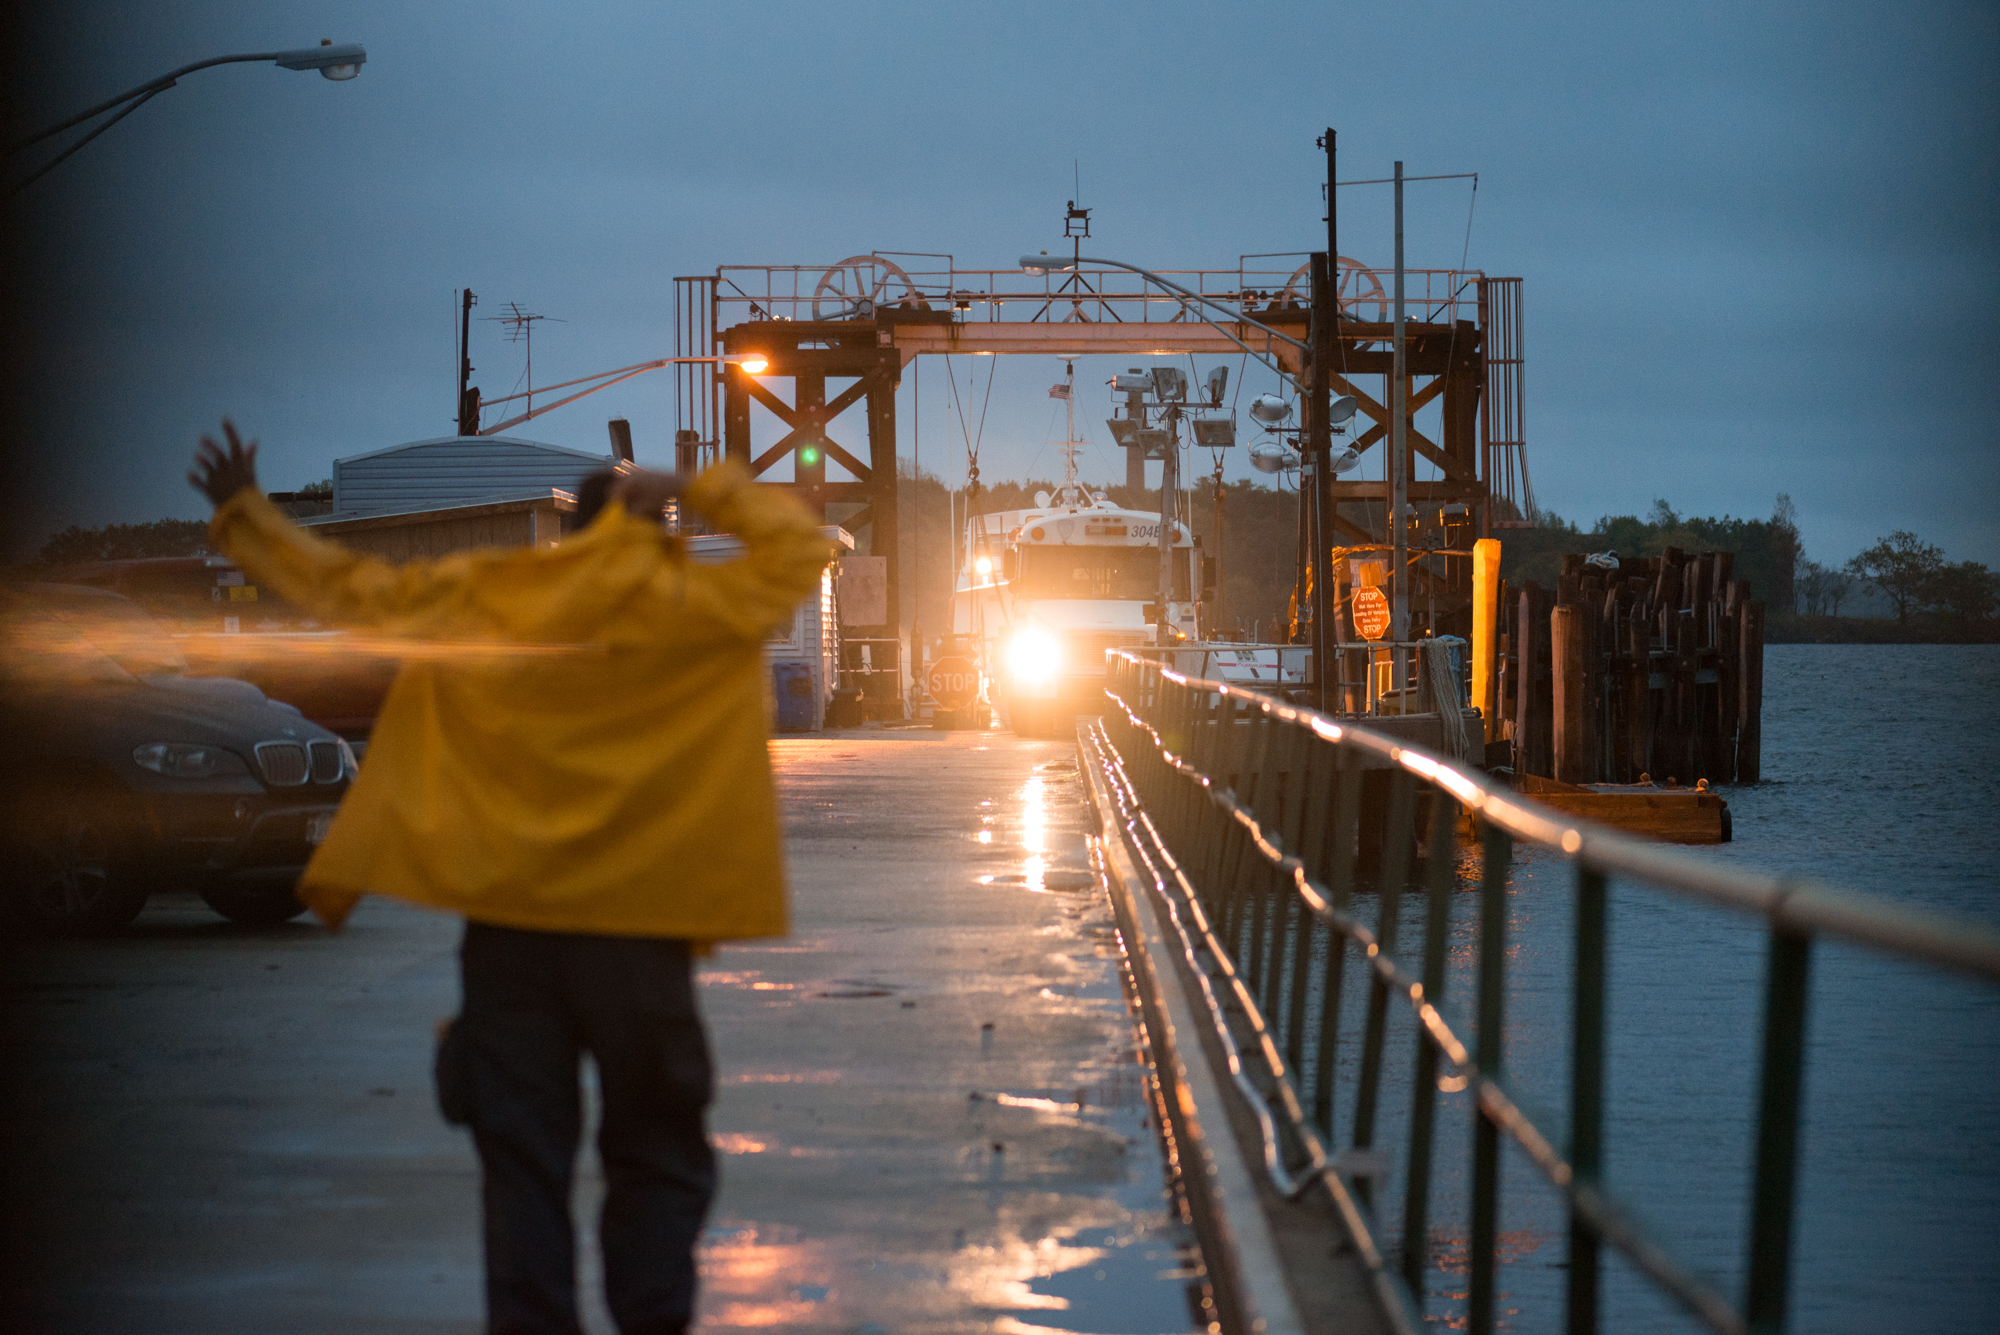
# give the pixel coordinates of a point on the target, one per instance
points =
(1072, 493)
(521, 329)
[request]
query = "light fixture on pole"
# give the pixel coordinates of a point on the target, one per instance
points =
(338, 63)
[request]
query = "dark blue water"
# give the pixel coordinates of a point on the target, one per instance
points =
(1884, 777)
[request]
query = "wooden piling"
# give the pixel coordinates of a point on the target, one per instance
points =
(1591, 673)
(1611, 684)
(1750, 694)
(1638, 691)
(1567, 643)
(1683, 752)
(1533, 690)
(1485, 632)
(1728, 646)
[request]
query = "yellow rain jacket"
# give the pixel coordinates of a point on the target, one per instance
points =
(577, 741)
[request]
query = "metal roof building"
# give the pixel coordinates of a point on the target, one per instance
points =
(453, 471)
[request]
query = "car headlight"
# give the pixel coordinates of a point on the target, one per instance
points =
(350, 765)
(1034, 655)
(180, 760)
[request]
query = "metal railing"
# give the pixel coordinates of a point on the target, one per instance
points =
(1363, 682)
(895, 280)
(1247, 815)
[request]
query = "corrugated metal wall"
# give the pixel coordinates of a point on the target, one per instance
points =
(455, 470)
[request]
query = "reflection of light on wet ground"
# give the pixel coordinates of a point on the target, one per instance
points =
(741, 1269)
(1000, 1275)
(1067, 1225)
(1034, 833)
(783, 1078)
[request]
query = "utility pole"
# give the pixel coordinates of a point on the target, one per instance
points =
(1215, 608)
(1399, 465)
(1337, 673)
(1170, 481)
(1319, 452)
(468, 397)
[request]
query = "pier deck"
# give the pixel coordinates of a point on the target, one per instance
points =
(234, 1130)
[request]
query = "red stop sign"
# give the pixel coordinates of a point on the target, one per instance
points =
(953, 682)
(1371, 613)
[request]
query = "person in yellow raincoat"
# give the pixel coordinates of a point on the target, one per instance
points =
(573, 758)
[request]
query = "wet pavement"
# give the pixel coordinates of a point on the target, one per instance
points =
(929, 1101)
(930, 1096)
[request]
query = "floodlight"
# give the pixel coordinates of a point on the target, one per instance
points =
(1215, 434)
(1271, 457)
(1131, 381)
(754, 364)
(1045, 263)
(1153, 441)
(1342, 411)
(1346, 459)
(1123, 430)
(1270, 408)
(1218, 381)
(1169, 384)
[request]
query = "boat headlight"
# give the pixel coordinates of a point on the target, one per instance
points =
(1034, 655)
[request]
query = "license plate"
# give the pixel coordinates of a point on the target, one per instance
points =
(317, 825)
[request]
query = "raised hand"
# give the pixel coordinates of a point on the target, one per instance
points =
(219, 475)
(645, 493)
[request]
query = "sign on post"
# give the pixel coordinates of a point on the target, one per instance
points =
(1371, 613)
(953, 682)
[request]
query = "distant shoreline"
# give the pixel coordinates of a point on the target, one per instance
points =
(1796, 628)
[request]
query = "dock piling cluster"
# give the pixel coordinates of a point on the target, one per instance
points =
(1654, 668)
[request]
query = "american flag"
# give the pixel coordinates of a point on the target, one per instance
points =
(1058, 391)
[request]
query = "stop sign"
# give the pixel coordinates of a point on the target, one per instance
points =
(1371, 613)
(953, 682)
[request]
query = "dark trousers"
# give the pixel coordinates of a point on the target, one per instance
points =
(534, 1002)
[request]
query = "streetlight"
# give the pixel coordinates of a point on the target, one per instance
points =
(336, 63)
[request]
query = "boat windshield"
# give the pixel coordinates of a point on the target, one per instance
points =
(1125, 574)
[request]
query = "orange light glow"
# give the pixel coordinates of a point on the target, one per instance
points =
(755, 364)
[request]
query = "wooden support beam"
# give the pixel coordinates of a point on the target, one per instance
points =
(1461, 471)
(1568, 648)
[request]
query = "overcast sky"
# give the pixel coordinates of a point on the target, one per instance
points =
(1759, 242)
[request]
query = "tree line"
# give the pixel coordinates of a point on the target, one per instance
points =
(1933, 598)
(1915, 578)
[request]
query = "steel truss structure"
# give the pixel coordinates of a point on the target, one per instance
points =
(867, 317)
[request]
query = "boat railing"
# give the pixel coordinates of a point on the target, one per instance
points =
(1255, 821)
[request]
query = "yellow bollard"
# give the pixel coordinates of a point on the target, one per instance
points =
(1485, 627)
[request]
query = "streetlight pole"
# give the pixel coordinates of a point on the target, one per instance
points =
(338, 63)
